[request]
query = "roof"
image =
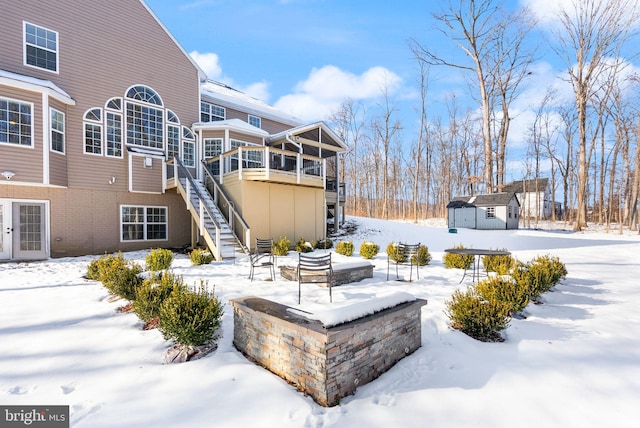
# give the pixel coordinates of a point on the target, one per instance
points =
(232, 124)
(34, 84)
(213, 91)
(317, 138)
(529, 185)
(493, 199)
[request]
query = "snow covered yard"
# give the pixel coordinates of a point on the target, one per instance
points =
(573, 362)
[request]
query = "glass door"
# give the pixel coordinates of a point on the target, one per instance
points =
(28, 231)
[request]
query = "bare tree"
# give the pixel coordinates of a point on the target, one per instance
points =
(497, 60)
(591, 32)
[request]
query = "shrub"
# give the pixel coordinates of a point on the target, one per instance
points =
(392, 252)
(303, 246)
(423, 258)
(505, 290)
(281, 248)
(190, 318)
(152, 292)
(457, 261)
(539, 275)
(120, 276)
(200, 257)
(345, 248)
(481, 319)
(159, 259)
(502, 265)
(97, 265)
(323, 244)
(369, 250)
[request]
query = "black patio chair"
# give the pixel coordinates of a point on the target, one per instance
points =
(315, 269)
(262, 256)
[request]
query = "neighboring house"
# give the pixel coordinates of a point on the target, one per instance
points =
(535, 197)
(494, 211)
(103, 134)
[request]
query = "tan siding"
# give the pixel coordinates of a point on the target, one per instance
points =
(273, 127)
(146, 179)
(235, 114)
(100, 59)
(26, 162)
(246, 138)
(57, 161)
(213, 134)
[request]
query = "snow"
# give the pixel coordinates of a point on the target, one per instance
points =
(574, 361)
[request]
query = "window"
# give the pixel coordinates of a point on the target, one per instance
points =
(255, 121)
(510, 210)
(144, 126)
(115, 104)
(491, 212)
(211, 113)
(40, 47)
(212, 147)
(189, 153)
(15, 123)
(93, 132)
(57, 131)
(114, 134)
(143, 223)
(144, 93)
(173, 141)
(250, 158)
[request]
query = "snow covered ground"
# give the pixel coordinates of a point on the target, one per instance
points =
(573, 362)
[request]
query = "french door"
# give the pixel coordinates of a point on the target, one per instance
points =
(24, 234)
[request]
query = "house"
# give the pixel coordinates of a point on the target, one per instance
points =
(494, 211)
(115, 140)
(535, 197)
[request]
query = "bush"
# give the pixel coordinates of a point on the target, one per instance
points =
(345, 248)
(323, 244)
(120, 276)
(502, 265)
(539, 275)
(303, 246)
(190, 318)
(369, 250)
(481, 319)
(423, 258)
(281, 248)
(200, 257)
(505, 290)
(96, 266)
(152, 292)
(159, 259)
(392, 252)
(457, 261)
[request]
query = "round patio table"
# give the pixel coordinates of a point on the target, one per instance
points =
(477, 254)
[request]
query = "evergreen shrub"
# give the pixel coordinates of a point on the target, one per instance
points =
(200, 256)
(345, 248)
(392, 252)
(457, 261)
(303, 246)
(478, 318)
(281, 248)
(424, 256)
(323, 244)
(190, 317)
(501, 265)
(369, 250)
(152, 292)
(120, 276)
(159, 259)
(504, 290)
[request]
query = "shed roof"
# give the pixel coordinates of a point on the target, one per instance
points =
(529, 185)
(493, 199)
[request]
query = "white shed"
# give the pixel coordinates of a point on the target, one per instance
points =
(495, 211)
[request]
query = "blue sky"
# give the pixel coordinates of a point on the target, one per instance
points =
(306, 56)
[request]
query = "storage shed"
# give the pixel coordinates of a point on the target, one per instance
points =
(488, 212)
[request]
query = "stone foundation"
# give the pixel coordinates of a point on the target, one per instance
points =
(327, 363)
(343, 273)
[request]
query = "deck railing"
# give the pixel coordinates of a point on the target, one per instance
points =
(268, 161)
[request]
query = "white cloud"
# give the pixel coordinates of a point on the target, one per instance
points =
(209, 62)
(325, 88)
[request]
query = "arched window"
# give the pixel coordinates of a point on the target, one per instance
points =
(145, 124)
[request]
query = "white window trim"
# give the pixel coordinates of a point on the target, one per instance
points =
(257, 118)
(144, 223)
(24, 48)
(220, 140)
(84, 138)
(224, 111)
(491, 212)
(51, 130)
(32, 146)
(122, 147)
(193, 144)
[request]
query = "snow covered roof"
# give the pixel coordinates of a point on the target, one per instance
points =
(34, 84)
(232, 124)
(227, 96)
